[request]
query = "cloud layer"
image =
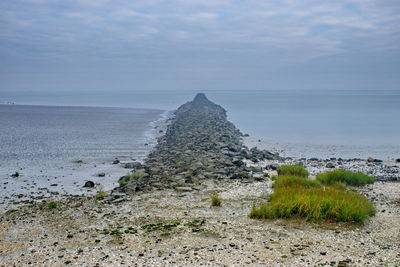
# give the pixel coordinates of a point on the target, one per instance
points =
(221, 44)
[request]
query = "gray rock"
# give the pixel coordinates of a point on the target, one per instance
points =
(183, 189)
(258, 176)
(330, 165)
(272, 167)
(374, 160)
(102, 174)
(133, 165)
(89, 184)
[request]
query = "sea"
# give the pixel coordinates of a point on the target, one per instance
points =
(43, 136)
(56, 149)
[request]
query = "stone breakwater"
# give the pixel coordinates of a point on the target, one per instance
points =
(199, 143)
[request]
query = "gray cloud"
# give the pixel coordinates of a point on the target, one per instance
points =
(138, 42)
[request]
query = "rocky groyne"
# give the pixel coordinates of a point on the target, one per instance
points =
(199, 143)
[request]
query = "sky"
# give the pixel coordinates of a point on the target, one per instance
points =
(117, 46)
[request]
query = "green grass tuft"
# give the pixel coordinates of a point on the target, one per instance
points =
(52, 205)
(315, 203)
(135, 175)
(294, 170)
(274, 177)
(123, 181)
(286, 180)
(304, 198)
(215, 200)
(100, 195)
(347, 177)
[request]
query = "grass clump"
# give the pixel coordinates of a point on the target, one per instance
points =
(163, 226)
(215, 200)
(100, 195)
(315, 204)
(274, 177)
(304, 198)
(294, 170)
(135, 175)
(347, 177)
(287, 180)
(123, 181)
(52, 205)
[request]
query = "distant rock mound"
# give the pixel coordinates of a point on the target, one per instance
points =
(200, 143)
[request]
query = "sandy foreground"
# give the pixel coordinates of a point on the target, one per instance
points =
(171, 228)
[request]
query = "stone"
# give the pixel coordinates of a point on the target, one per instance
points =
(116, 161)
(89, 184)
(330, 165)
(374, 160)
(183, 189)
(133, 165)
(272, 167)
(102, 174)
(258, 176)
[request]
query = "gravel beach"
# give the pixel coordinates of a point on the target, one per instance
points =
(171, 228)
(164, 217)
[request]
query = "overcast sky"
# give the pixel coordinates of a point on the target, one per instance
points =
(111, 45)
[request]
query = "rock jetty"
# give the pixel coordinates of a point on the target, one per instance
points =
(199, 143)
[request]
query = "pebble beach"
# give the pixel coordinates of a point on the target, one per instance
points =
(165, 217)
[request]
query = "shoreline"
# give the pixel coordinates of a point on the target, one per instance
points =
(326, 151)
(163, 216)
(157, 130)
(50, 184)
(382, 170)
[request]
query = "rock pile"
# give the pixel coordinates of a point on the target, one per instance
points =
(200, 143)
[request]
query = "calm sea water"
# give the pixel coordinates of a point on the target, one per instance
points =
(41, 135)
(42, 143)
(302, 123)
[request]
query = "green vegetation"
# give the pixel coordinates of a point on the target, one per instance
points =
(315, 203)
(285, 181)
(135, 175)
(274, 177)
(130, 230)
(323, 199)
(123, 181)
(52, 205)
(350, 178)
(266, 174)
(166, 225)
(294, 170)
(101, 195)
(215, 200)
